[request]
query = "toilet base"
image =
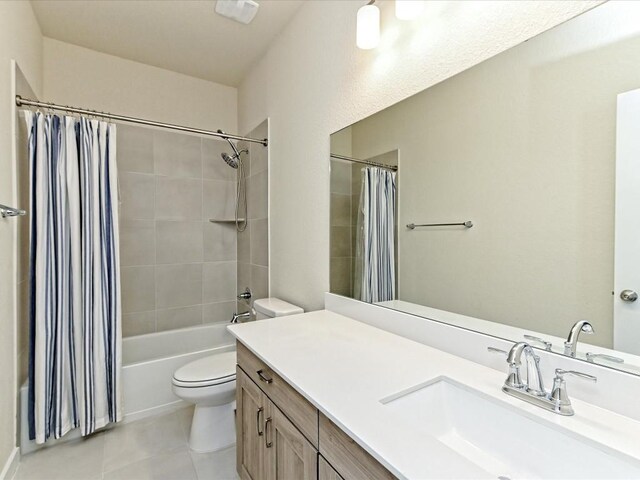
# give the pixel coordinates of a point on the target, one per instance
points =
(212, 428)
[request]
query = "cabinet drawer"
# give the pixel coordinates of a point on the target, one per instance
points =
(350, 460)
(301, 413)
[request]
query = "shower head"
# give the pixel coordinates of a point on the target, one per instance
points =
(232, 160)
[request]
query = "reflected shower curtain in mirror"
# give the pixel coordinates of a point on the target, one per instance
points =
(75, 312)
(375, 276)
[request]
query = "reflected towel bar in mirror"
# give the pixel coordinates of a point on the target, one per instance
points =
(467, 224)
(11, 212)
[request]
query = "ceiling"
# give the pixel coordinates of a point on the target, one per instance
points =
(185, 36)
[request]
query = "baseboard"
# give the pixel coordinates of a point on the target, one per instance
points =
(11, 465)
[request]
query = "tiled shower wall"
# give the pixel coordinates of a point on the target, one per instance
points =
(178, 269)
(253, 243)
(341, 256)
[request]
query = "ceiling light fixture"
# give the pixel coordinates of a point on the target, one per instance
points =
(368, 26)
(408, 9)
(242, 11)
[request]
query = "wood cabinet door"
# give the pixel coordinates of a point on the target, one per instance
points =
(326, 471)
(251, 407)
(290, 456)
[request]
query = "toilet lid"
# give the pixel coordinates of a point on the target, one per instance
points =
(211, 370)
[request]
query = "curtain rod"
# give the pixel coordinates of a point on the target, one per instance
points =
(365, 162)
(21, 102)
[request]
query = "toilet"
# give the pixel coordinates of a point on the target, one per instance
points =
(210, 383)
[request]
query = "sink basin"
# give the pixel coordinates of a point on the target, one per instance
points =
(498, 438)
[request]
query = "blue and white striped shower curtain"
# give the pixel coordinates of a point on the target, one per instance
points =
(375, 276)
(75, 312)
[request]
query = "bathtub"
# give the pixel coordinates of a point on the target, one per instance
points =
(148, 363)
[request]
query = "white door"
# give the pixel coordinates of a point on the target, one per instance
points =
(626, 312)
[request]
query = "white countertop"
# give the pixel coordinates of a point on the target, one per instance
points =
(345, 367)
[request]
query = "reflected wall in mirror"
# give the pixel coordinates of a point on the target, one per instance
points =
(524, 146)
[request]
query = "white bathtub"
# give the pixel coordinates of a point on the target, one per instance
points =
(150, 360)
(148, 363)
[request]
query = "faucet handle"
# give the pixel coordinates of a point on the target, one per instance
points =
(559, 393)
(547, 345)
(560, 373)
(591, 357)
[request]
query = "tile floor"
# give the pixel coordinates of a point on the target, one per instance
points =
(151, 449)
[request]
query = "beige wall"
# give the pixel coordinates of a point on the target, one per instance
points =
(20, 39)
(524, 146)
(81, 77)
(311, 83)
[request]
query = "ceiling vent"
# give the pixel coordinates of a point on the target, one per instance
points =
(242, 11)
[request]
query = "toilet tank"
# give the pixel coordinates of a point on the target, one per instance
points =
(274, 307)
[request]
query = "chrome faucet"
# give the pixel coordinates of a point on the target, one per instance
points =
(533, 391)
(571, 345)
(241, 317)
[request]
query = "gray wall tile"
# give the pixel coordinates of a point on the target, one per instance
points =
(220, 312)
(259, 282)
(340, 209)
(135, 149)
(244, 245)
(219, 241)
(219, 282)
(178, 198)
(340, 241)
(260, 242)
(257, 195)
(219, 199)
(179, 242)
(244, 276)
(137, 242)
(165, 235)
(177, 155)
(340, 177)
(138, 323)
(340, 280)
(137, 193)
(178, 285)
(138, 289)
(182, 317)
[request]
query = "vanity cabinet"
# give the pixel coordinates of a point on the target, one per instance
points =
(280, 435)
(269, 446)
(326, 471)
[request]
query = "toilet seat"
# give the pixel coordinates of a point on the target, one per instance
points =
(208, 371)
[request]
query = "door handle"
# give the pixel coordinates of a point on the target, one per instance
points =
(628, 295)
(268, 443)
(263, 377)
(260, 410)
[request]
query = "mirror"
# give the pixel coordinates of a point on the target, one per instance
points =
(531, 160)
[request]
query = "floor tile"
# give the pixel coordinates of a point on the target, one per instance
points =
(175, 465)
(217, 465)
(77, 459)
(185, 415)
(143, 439)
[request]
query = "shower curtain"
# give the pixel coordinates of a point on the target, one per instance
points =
(75, 312)
(375, 276)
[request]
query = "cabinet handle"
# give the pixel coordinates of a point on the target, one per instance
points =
(267, 442)
(260, 410)
(263, 377)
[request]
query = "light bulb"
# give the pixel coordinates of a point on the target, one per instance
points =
(368, 27)
(408, 9)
